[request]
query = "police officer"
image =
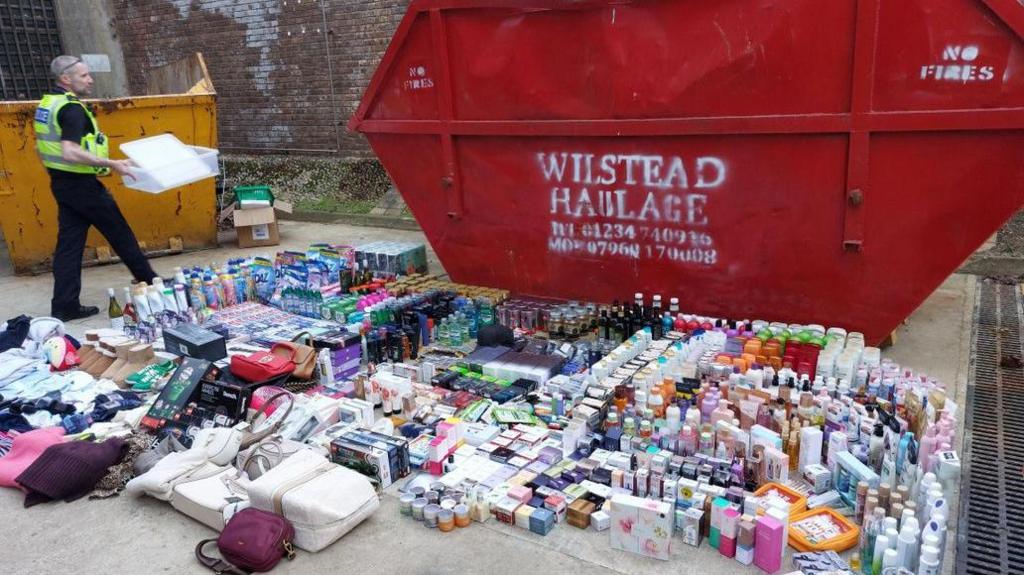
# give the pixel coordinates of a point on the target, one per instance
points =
(74, 152)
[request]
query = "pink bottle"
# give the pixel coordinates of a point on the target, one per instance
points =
(688, 440)
(722, 412)
(927, 447)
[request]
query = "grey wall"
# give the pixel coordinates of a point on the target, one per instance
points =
(88, 28)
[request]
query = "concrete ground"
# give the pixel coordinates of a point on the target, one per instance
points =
(129, 535)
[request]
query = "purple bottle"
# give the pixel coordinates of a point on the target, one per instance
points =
(708, 405)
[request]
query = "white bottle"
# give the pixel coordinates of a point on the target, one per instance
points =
(881, 546)
(929, 561)
(155, 299)
(141, 301)
(906, 547)
(672, 414)
(922, 489)
(893, 536)
(179, 298)
(890, 559)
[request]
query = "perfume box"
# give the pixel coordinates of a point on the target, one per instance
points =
(641, 526)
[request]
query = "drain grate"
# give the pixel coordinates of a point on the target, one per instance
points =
(990, 532)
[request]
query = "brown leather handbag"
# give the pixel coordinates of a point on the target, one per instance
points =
(303, 355)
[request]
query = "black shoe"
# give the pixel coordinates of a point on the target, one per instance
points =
(83, 311)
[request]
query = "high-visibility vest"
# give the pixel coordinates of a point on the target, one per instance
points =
(48, 134)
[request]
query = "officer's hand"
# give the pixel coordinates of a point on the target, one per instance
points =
(123, 167)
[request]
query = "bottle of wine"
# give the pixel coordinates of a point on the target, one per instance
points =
(128, 311)
(114, 312)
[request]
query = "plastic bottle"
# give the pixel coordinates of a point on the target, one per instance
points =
(872, 526)
(906, 547)
(155, 299)
(673, 417)
(656, 402)
(688, 440)
(929, 563)
(927, 446)
(890, 560)
(196, 296)
(708, 405)
(706, 445)
(721, 413)
(881, 544)
(180, 299)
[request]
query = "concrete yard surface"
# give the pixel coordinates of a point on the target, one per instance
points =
(143, 535)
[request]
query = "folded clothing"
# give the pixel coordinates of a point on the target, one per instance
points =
(25, 449)
(69, 470)
(13, 332)
(107, 404)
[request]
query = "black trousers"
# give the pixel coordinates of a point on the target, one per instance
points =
(82, 203)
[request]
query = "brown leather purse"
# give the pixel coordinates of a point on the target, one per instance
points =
(303, 355)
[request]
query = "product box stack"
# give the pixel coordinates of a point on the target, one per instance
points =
(393, 258)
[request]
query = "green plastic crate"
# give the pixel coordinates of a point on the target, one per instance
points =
(253, 196)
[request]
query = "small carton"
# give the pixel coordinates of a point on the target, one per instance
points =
(579, 513)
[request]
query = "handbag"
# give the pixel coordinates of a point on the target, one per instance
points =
(250, 437)
(176, 468)
(261, 366)
(304, 356)
(221, 444)
(252, 540)
(214, 500)
(266, 455)
(323, 501)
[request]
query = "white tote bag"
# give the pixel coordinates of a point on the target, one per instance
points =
(324, 501)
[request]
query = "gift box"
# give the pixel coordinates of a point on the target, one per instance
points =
(521, 493)
(692, 526)
(556, 504)
(600, 520)
(523, 513)
(193, 341)
(641, 526)
(505, 510)
(542, 521)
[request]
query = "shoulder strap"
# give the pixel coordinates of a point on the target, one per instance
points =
(252, 438)
(218, 566)
(308, 338)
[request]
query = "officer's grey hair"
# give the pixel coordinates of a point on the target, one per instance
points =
(61, 64)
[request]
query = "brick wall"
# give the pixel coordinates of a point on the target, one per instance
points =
(269, 64)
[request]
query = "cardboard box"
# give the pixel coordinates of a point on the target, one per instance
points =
(641, 526)
(579, 513)
(257, 227)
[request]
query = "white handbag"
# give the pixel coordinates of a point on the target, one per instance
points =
(212, 501)
(221, 444)
(175, 468)
(266, 455)
(322, 500)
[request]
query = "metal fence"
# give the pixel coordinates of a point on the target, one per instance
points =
(29, 39)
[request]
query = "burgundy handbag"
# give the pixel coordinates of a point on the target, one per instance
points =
(261, 366)
(252, 541)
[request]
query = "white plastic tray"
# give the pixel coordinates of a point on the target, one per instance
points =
(163, 162)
